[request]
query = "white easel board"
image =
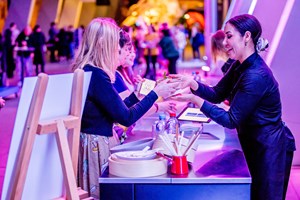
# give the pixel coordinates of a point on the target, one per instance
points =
(44, 177)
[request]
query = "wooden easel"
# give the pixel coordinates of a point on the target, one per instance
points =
(68, 144)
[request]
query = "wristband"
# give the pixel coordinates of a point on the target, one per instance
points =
(156, 106)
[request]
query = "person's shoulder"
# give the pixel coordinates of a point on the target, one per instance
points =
(258, 73)
(98, 77)
(95, 70)
(259, 66)
(119, 83)
(89, 67)
(118, 75)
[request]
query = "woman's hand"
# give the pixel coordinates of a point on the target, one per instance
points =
(167, 106)
(185, 81)
(188, 97)
(137, 79)
(2, 102)
(166, 89)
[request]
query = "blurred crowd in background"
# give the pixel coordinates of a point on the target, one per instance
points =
(24, 52)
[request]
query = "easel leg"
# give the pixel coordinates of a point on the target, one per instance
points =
(73, 138)
(66, 161)
(76, 102)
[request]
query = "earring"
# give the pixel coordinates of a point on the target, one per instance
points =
(246, 44)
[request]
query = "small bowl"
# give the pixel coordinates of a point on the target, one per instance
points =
(133, 146)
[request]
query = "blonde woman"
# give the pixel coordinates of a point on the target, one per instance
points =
(99, 54)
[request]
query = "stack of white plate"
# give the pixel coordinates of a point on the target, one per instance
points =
(137, 164)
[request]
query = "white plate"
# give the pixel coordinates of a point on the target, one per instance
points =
(135, 155)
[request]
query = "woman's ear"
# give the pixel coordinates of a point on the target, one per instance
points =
(247, 36)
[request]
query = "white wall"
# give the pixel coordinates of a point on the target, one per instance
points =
(269, 17)
(286, 68)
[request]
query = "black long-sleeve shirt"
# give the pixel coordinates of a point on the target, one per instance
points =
(253, 93)
(104, 106)
(255, 111)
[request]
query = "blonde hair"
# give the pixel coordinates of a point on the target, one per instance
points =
(99, 47)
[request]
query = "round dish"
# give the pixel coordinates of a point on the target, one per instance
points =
(135, 155)
(137, 168)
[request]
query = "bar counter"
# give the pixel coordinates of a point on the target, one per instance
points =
(218, 171)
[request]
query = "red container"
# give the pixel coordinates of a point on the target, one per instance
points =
(179, 165)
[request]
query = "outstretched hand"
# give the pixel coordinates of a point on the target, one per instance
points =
(183, 97)
(184, 80)
(165, 88)
(2, 102)
(167, 106)
(137, 79)
(188, 97)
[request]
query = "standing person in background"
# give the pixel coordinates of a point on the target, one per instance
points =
(138, 39)
(221, 62)
(63, 44)
(8, 50)
(197, 40)
(168, 50)
(25, 55)
(78, 34)
(255, 108)
(151, 52)
(15, 33)
(71, 44)
(38, 42)
(99, 54)
(52, 41)
(180, 41)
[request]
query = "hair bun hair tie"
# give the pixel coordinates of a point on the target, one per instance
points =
(262, 44)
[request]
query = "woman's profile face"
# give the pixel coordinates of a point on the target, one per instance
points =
(234, 43)
(124, 53)
(129, 60)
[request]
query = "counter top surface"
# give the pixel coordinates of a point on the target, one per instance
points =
(217, 159)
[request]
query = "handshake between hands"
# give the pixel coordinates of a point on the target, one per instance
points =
(176, 87)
